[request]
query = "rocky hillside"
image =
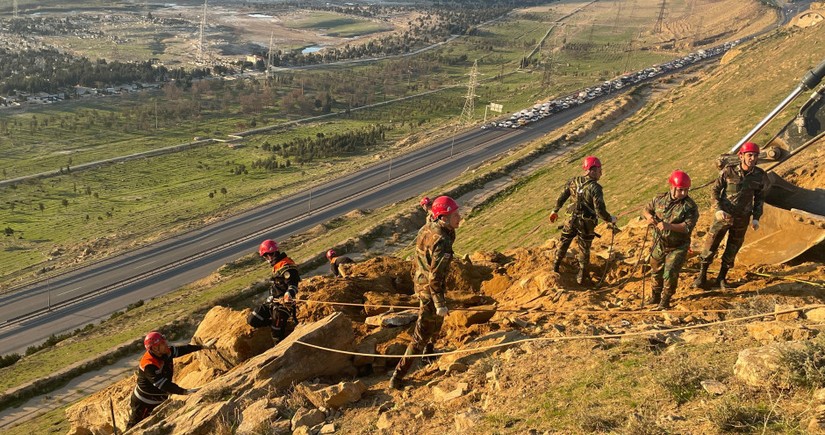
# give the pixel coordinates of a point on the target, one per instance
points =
(525, 350)
(555, 361)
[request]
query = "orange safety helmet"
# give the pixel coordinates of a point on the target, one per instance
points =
(442, 206)
(153, 339)
(591, 162)
(268, 247)
(679, 179)
(425, 201)
(331, 253)
(749, 147)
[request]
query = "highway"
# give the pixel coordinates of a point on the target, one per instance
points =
(31, 314)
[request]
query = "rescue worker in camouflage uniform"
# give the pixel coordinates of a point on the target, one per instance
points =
(277, 309)
(588, 206)
(739, 194)
(433, 254)
(673, 216)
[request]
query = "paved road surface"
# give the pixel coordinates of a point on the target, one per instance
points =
(94, 292)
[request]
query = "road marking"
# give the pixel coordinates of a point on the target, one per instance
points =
(69, 291)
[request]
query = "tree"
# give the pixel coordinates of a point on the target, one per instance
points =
(223, 191)
(41, 207)
(8, 231)
(65, 202)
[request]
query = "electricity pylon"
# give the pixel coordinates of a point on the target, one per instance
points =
(469, 100)
(200, 38)
(657, 28)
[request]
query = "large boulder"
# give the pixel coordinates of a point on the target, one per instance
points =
(332, 396)
(763, 366)
(92, 415)
(237, 342)
(267, 375)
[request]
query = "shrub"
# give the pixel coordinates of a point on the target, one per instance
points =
(7, 360)
(734, 415)
(806, 366)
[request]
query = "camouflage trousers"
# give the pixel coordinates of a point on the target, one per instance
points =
(735, 230)
(584, 231)
(426, 328)
(665, 265)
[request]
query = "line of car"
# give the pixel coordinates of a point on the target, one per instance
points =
(543, 110)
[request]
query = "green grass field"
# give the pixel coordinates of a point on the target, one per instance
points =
(121, 202)
(337, 25)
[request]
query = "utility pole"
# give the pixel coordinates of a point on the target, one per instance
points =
(14, 13)
(200, 59)
(269, 56)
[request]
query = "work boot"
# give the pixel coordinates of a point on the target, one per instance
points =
(657, 296)
(702, 280)
(557, 264)
(664, 303)
(583, 277)
(429, 348)
(396, 383)
(720, 282)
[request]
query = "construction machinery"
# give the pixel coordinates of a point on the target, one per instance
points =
(793, 221)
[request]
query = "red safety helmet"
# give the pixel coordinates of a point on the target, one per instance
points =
(679, 179)
(749, 147)
(442, 206)
(591, 162)
(268, 247)
(153, 339)
(425, 201)
(331, 253)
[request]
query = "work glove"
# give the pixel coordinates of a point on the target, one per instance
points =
(442, 312)
(209, 344)
(288, 298)
(613, 219)
(755, 224)
(720, 215)
(192, 390)
(554, 217)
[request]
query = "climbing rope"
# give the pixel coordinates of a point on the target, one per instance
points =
(769, 275)
(567, 338)
(521, 310)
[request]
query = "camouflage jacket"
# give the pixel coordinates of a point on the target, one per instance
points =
(668, 210)
(741, 193)
(588, 199)
(433, 254)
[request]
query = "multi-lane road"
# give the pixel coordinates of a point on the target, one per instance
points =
(30, 314)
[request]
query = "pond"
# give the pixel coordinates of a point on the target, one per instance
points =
(311, 49)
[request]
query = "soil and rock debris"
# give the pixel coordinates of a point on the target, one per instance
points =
(496, 298)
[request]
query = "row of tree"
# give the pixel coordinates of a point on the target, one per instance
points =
(49, 70)
(321, 146)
